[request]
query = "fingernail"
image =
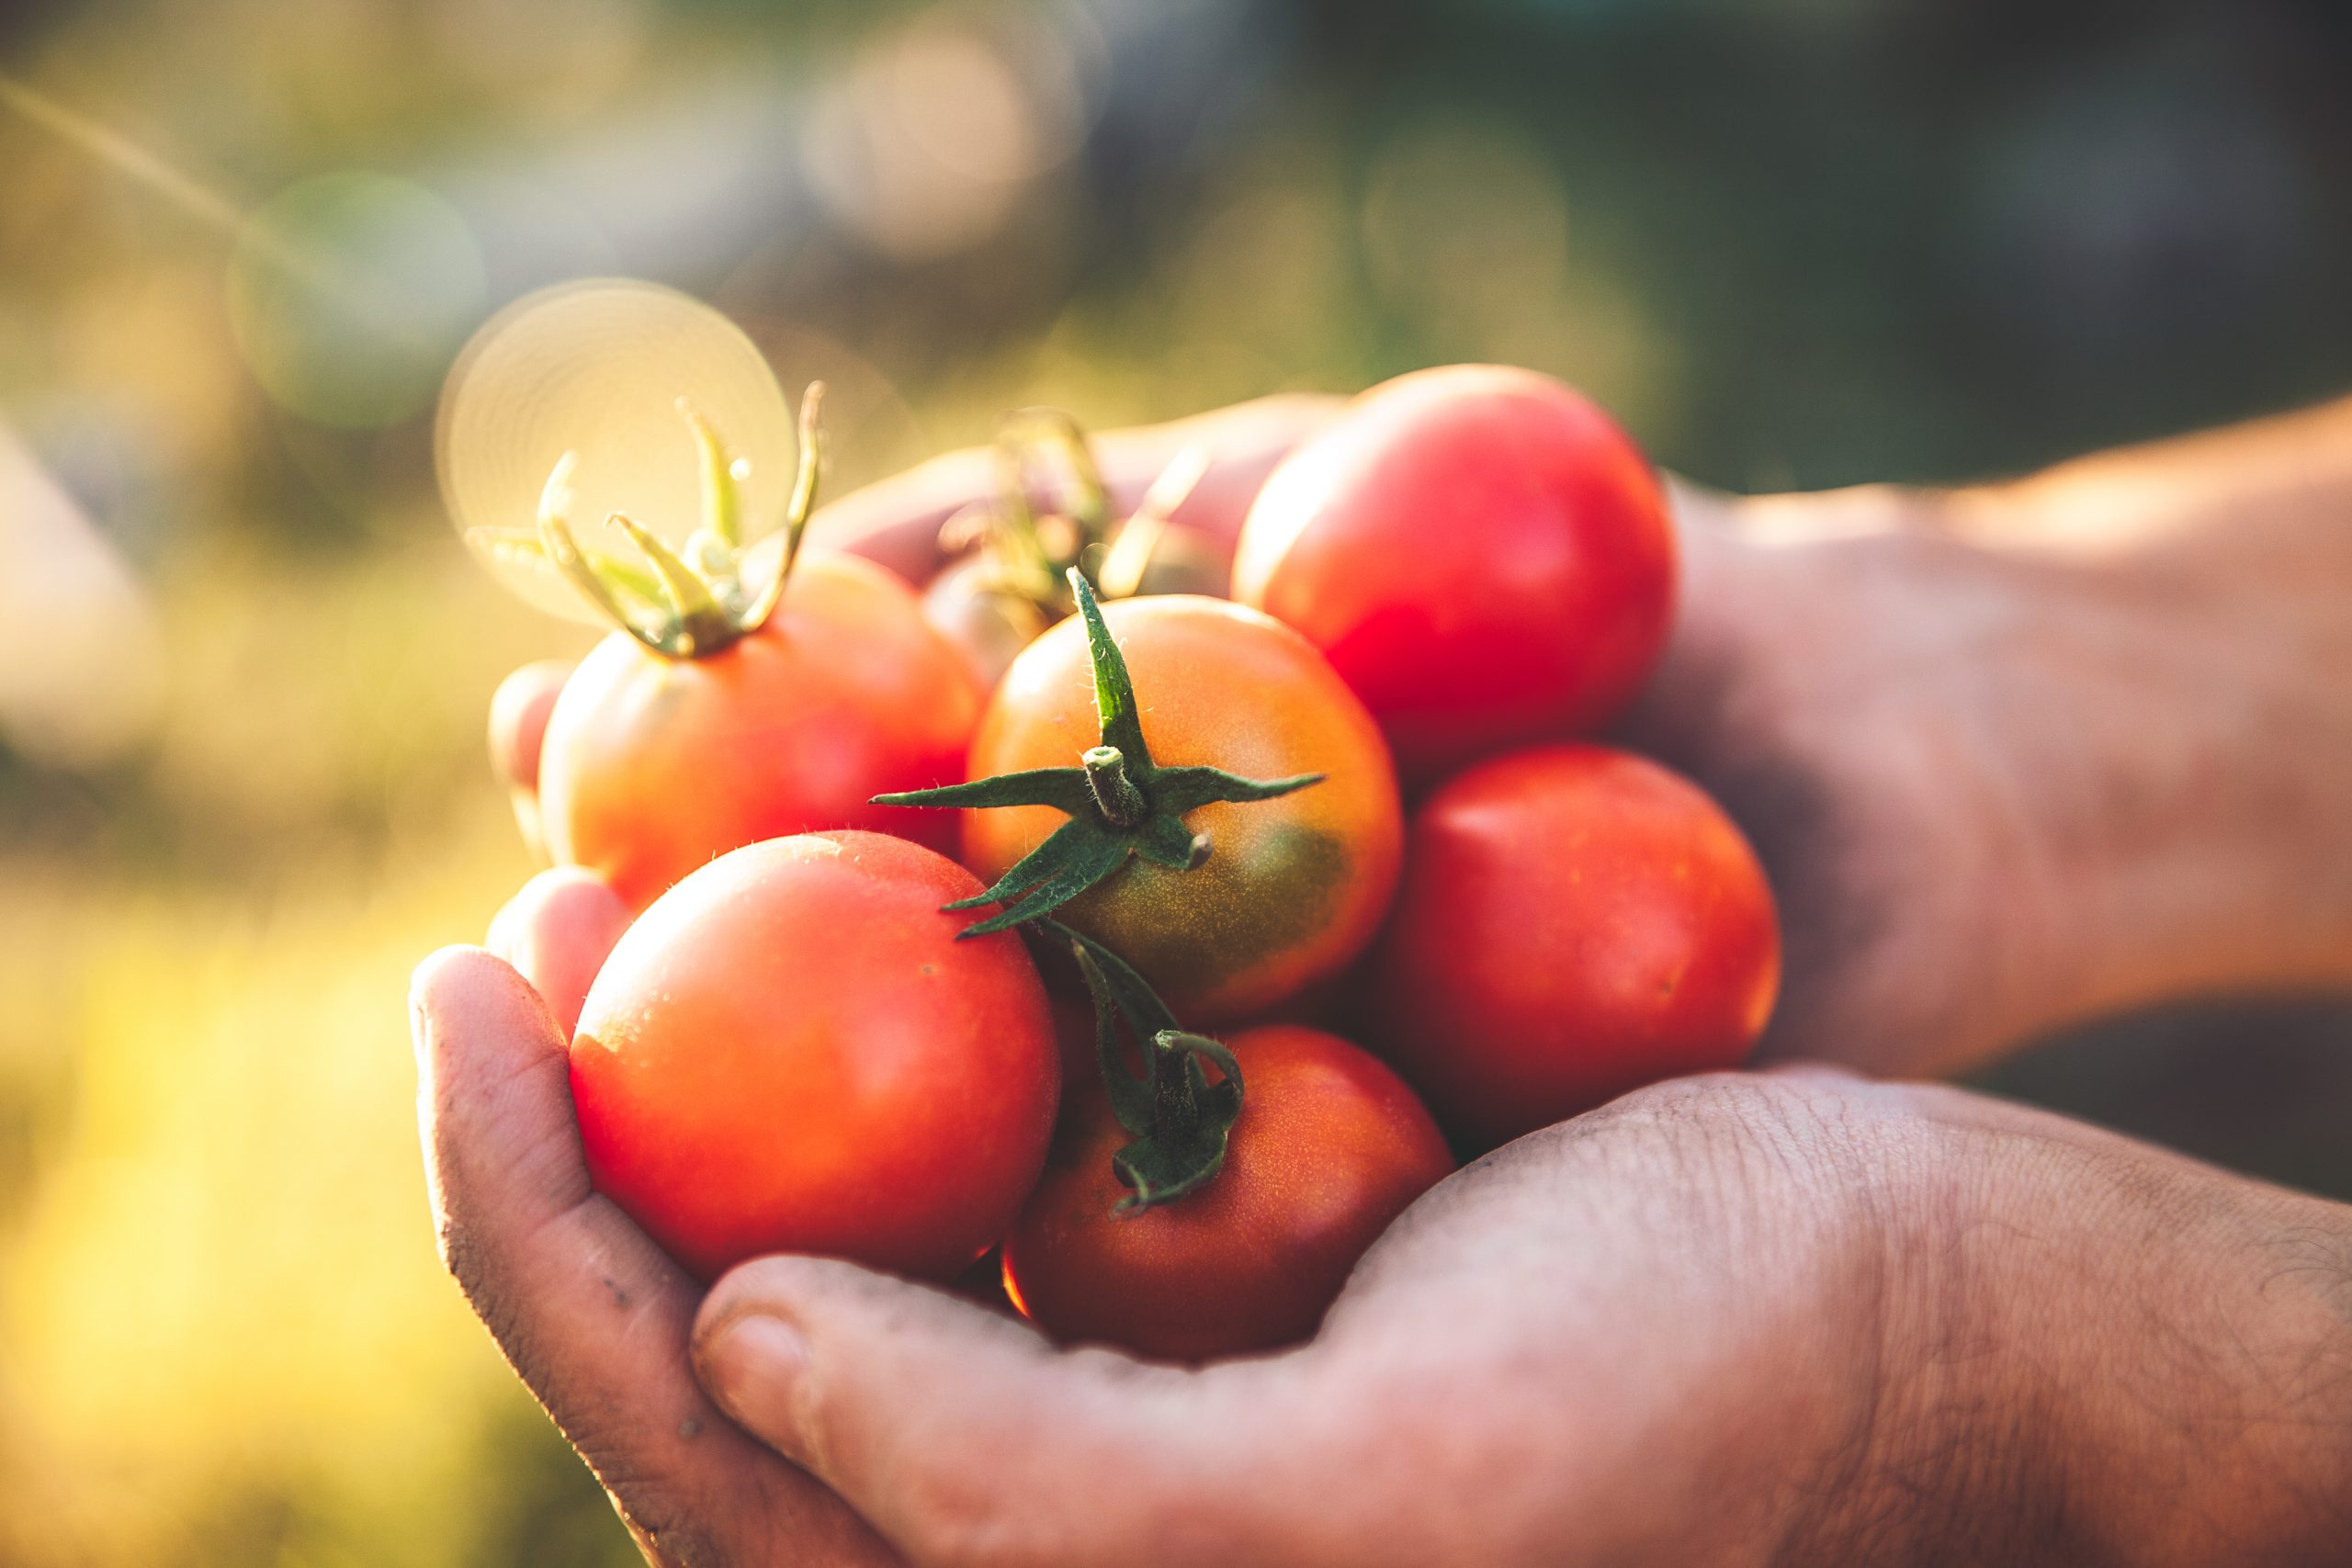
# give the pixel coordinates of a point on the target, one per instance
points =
(752, 1367)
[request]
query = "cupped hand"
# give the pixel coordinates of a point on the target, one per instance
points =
(1997, 786)
(1999, 783)
(591, 1312)
(1788, 1316)
(1783, 1317)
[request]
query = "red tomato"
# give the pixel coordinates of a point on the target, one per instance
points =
(1574, 922)
(653, 765)
(555, 932)
(1482, 555)
(1292, 887)
(1329, 1149)
(790, 1052)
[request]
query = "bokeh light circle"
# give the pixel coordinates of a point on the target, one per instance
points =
(597, 367)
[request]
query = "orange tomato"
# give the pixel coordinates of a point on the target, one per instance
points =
(652, 765)
(1292, 887)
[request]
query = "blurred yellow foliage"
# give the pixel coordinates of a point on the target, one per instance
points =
(227, 1337)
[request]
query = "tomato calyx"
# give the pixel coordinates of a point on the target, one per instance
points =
(1026, 557)
(679, 604)
(1181, 1120)
(1119, 802)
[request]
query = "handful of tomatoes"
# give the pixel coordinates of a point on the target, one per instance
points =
(1113, 1035)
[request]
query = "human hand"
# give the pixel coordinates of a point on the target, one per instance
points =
(2018, 755)
(591, 1314)
(1985, 776)
(1776, 1317)
(2011, 755)
(588, 1310)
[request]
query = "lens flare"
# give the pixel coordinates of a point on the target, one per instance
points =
(597, 368)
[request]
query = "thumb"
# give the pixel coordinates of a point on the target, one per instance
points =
(964, 1437)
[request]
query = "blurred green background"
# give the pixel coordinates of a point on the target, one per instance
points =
(244, 660)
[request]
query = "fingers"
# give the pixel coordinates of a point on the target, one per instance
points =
(1818, 516)
(557, 932)
(589, 1311)
(519, 728)
(897, 522)
(965, 1438)
(518, 718)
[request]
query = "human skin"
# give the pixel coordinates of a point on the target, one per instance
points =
(2013, 755)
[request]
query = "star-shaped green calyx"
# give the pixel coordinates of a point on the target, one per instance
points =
(1119, 801)
(1181, 1122)
(679, 604)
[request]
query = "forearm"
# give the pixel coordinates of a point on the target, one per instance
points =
(2121, 1357)
(2196, 713)
(2270, 491)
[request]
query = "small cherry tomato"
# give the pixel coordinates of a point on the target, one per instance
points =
(1481, 553)
(555, 932)
(1291, 888)
(732, 704)
(1330, 1147)
(654, 764)
(791, 1051)
(1572, 922)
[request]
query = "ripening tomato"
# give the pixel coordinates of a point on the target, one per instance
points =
(790, 1052)
(1292, 887)
(653, 764)
(1481, 553)
(1572, 922)
(1330, 1146)
(555, 931)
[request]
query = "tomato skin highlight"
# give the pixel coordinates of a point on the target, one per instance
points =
(555, 931)
(1483, 555)
(1574, 922)
(1293, 887)
(790, 1052)
(1331, 1147)
(652, 766)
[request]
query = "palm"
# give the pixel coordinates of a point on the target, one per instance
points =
(1868, 699)
(1790, 1317)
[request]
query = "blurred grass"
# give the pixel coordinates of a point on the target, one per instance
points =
(227, 1337)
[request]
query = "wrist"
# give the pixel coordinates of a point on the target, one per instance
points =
(2218, 1431)
(2168, 803)
(2208, 587)
(2118, 1356)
